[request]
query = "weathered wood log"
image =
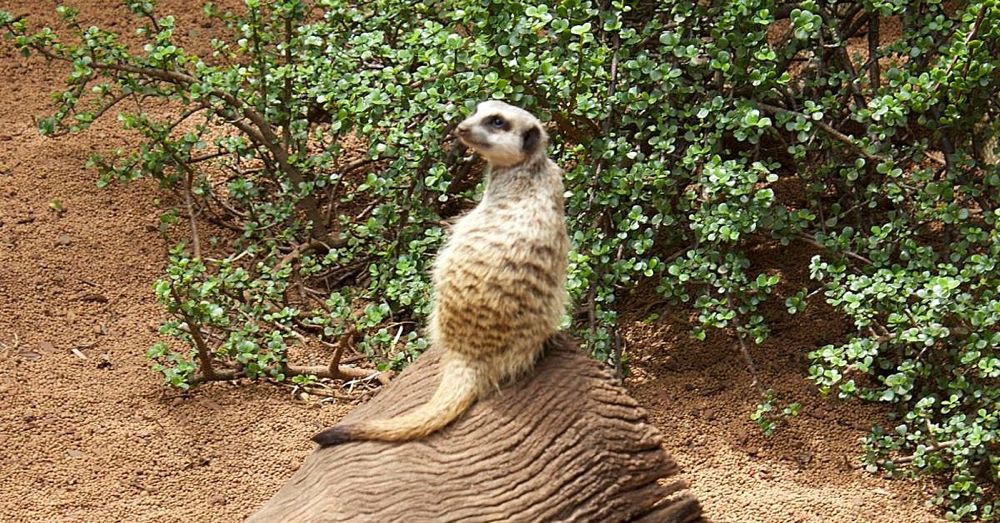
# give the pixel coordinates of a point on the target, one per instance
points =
(564, 444)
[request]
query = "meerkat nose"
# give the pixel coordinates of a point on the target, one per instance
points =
(461, 130)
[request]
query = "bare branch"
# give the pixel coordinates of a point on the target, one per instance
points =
(873, 40)
(189, 205)
(204, 353)
(814, 242)
(907, 459)
(825, 127)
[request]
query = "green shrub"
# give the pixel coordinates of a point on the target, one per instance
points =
(679, 123)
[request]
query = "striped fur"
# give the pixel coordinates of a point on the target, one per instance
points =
(499, 280)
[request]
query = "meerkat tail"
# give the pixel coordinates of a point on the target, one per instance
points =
(459, 387)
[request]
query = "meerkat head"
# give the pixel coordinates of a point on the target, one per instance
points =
(503, 134)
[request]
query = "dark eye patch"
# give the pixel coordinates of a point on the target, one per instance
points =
(497, 122)
(530, 139)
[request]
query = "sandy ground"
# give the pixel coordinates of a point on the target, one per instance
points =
(97, 438)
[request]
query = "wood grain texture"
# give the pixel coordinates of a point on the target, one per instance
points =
(566, 443)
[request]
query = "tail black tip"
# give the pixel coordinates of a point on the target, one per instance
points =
(333, 436)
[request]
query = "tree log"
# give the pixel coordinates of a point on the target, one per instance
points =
(566, 443)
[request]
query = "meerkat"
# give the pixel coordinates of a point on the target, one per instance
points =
(499, 280)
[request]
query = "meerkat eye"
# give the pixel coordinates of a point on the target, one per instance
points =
(496, 121)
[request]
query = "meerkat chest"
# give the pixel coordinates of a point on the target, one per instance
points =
(509, 260)
(500, 278)
(496, 241)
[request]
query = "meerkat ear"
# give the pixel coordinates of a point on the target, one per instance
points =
(530, 139)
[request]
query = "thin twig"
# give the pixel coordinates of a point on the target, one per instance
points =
(851, 30)
(300, 250)
(151, 17)
(340, 373)
(906, 459)
(204, 354)
(745, 350)
(813, 241)
(189, 204)
(207, 157)
(825, 127)
(338, 353)
(873, 41)
(363, 379)
(230, 209)
(970, 37)
(750, 364)
(105, 107)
